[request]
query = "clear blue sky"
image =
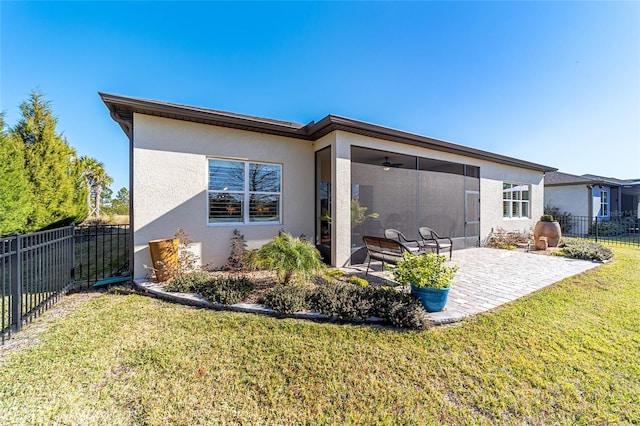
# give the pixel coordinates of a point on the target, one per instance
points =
(557, 83)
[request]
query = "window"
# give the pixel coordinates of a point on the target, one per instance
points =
(515, 200)
(604, 202)
(244, 192)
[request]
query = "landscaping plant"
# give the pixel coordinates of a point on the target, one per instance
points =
(563, 218)
(235, 262)
(581, 249)
(290, 257)
(500, 238)
(287, 299)
(425, 270)
(227, 290)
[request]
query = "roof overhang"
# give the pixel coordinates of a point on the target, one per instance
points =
(122, 109)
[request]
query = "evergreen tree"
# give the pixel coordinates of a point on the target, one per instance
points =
(49, 165)
(106, 201)
(15, 189)
(120, 204)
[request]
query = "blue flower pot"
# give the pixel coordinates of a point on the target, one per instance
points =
(433, 299)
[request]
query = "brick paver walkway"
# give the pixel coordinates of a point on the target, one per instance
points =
(490, 277)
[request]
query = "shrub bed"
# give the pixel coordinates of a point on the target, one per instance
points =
(349, 302)
(286, 299)
(581, 249)
(227, 289)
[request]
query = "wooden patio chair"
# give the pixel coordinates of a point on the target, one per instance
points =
(383, 249)
(431, 239)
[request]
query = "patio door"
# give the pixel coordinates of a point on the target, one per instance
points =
(471, 218)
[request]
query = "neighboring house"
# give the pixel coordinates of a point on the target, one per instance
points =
(210, 172)
(592, 196)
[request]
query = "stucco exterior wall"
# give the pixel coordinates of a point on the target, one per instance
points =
(492, 175)
(170, 185)
(572, 199)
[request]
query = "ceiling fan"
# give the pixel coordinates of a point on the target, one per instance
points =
(387, 163)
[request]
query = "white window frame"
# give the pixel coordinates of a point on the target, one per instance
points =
(604, 203)
(246, 194)
(516, 201)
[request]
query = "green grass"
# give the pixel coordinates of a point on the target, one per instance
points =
(567, 354)
(101, 256)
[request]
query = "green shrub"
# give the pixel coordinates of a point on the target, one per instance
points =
(607, 229)
(563, 218)
(546, 218)
(581, 249)
(227, 290)
(358, 281)
(191, 282)
(426, 270)
(342, 300)
(286, 299)
(399, 309)
(289, 257)
(334, 273)
(408, 314)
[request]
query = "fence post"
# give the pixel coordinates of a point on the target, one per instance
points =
(596, 229)
(16, 285)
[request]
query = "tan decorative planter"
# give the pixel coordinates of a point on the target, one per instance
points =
(164, 257)
(551, 230)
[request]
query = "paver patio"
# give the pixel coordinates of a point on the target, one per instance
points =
(489, 278)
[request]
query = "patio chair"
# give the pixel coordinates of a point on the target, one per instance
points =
(383, 249)
(414, 246)
(431, 239)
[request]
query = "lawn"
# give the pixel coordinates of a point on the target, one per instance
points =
(567, 354)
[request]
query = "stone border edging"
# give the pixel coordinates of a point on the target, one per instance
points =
(196, 300)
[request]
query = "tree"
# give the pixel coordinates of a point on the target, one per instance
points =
(120, 204)
(49, 165)
(106, 201)
(96, 180)
(15, 189)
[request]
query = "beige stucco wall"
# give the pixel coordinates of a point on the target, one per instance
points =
(492, 175)
(572, 199)
(170, 185)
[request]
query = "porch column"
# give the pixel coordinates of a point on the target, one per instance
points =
(341, 229)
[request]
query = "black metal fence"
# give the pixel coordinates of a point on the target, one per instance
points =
(101, 251)
(35, 270)
(623, 231)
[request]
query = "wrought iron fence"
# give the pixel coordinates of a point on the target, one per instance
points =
(623, 231)
(35, 270)
(101, 251)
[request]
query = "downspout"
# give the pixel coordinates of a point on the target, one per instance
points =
(127, 125)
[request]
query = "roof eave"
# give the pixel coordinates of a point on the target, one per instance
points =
(123, 106)
(122, 109)
(332, 122)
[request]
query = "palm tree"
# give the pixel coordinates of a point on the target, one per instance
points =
(96, 179)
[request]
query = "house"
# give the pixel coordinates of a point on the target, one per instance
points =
(210, 172)
(590, 196)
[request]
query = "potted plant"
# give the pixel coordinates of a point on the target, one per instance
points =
(429, 278)
(549, 228)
